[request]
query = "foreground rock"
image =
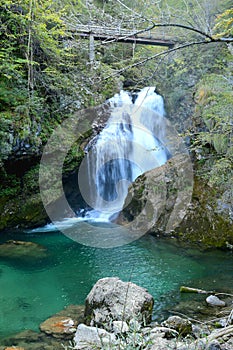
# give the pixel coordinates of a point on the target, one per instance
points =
(13, 249)
(180, 325)
(114, 300)
(63, 325)
(53, 333)
(58, 326)
(90, 338)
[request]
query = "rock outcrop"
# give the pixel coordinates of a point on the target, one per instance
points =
(159, 198)
(167, 201)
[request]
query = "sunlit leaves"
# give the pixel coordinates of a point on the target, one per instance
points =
(224, 24)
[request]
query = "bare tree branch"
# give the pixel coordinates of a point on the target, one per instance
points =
(165, 52)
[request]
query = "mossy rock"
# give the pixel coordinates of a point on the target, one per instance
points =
(22, 212)
(203, 225)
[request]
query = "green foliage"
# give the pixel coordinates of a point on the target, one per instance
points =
(224, 24)
(6, 138)
(31, 181)
(9, 186)
(45, 75)
(214, 104)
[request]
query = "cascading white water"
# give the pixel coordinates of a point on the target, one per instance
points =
(130, 144)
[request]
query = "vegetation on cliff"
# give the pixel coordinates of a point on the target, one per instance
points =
(46, 76)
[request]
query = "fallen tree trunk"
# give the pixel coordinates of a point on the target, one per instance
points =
(184, 289)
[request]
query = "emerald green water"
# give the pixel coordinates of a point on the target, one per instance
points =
(32, 290)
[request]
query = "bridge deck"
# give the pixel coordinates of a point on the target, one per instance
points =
(107, 34)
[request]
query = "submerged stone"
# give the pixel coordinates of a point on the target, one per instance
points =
(13, 249)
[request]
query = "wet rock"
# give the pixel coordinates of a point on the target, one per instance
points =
(114, 300)
(59, 327)
(20, 249)
(212, 300)
(181, 325)
(89, 338)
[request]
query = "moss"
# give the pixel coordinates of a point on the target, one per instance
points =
(202, 224)
(22, 212)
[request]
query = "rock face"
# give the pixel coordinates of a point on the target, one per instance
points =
(167, 201)
(114, 300)
(158, 199)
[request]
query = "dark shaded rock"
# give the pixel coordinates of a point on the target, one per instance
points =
(114, 300)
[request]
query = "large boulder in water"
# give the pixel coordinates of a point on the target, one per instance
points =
(114, 300)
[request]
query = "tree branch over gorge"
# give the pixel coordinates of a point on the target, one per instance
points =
(187, 24)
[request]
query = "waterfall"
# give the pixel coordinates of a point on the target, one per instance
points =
(130, 144)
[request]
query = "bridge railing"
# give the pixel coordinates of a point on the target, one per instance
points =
(108, 31)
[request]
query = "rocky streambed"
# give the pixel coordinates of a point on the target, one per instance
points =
(118, 315)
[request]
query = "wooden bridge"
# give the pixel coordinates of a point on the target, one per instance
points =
(107, 35)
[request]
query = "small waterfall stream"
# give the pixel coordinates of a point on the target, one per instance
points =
(130, 144)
